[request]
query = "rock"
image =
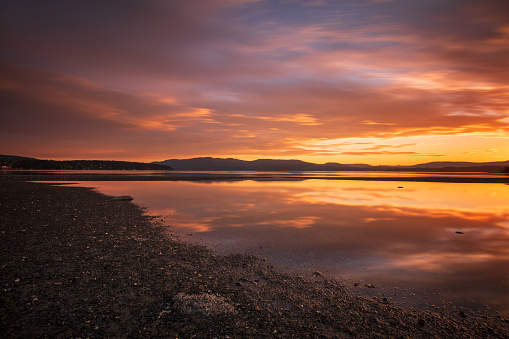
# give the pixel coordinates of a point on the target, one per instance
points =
(207, 304)
(460, 233)
(244, 282)
(123, 198)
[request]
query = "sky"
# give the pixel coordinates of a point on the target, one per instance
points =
(395, 82)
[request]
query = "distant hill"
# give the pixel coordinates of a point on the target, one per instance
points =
(18, 162)
(12, 158)
(231, 164)
(445, 164)
(450, 166)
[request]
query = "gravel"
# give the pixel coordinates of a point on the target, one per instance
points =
(78, 264)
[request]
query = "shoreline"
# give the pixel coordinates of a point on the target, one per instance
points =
(132, 176)
(77, 263)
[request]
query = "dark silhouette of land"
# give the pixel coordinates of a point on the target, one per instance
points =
(230, 164)
(38, 164)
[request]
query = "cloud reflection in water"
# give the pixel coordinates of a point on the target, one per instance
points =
(401, 239)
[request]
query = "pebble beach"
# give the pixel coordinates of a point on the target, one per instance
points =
(79, 264)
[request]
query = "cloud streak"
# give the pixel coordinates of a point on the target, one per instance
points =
(150, 80)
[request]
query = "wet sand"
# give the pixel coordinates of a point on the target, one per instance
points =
(76, 263)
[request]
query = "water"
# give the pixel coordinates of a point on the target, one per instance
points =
(278, 176)
(421, 244)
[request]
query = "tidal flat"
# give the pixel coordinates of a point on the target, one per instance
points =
(78, 263)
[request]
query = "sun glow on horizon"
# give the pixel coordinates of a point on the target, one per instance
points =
(377, 82)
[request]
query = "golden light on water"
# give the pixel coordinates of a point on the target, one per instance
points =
(418, 236)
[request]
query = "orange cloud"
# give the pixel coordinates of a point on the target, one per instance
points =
(256, 79)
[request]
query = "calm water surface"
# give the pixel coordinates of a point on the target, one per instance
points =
(281, 175)
(420, 244)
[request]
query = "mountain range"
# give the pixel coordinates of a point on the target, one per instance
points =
(231, 164)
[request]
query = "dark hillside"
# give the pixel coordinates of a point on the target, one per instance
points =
(218, 164)
(230, 164)
(37, 164)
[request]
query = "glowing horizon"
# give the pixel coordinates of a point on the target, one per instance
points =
(387, 82)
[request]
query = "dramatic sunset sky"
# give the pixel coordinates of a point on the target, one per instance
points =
(349, 81)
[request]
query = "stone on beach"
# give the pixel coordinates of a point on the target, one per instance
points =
(204, 303)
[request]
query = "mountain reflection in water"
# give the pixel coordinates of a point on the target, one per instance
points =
(419, 243)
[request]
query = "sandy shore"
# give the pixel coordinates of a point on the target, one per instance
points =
(78, 264)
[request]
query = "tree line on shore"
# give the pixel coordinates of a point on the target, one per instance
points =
(37, 164)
